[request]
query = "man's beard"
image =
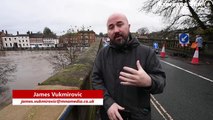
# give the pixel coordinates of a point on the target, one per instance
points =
(119, 40)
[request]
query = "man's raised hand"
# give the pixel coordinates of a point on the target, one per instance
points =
(135, 77)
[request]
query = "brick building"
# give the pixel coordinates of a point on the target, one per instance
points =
(80, 39)
(86, 37)
(36, 40)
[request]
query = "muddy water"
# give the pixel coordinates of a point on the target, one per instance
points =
(32, 67)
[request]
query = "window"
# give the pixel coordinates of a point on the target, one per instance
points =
(6, 44)
(10, 39)
(11, 44)
(19, 40)
(23, 44)
(26, 40)
(5, 39)
(22, 40)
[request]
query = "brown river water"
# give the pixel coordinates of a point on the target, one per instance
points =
(32, 67)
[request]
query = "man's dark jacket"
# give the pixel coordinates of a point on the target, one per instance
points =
(110, 62)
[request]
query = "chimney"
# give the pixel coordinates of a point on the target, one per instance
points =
(2, 31)
(6, 32)
(17, 32)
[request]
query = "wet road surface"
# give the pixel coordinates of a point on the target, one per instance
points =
(189, 91)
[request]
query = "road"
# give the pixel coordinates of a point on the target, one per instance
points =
(188, 94)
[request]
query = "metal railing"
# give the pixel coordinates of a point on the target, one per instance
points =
(174, 45)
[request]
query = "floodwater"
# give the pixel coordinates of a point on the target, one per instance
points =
(32, 67)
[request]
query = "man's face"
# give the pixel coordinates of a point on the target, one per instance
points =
(118, 29)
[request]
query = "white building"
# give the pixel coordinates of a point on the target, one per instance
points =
(50, 42)
(16, 41)
(29, 40)
(23, 41)
(8, 41)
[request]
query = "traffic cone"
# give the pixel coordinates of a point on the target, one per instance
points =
(195, 59)
(163, 53)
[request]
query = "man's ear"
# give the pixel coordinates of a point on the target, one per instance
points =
(129, 27)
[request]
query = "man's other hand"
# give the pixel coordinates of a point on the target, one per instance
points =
(113, 113)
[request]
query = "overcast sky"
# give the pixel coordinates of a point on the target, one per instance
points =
(61, 15)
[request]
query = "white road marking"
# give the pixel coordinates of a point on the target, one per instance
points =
(158, 109)
(205, 78)
(155, 103)
(161, 110)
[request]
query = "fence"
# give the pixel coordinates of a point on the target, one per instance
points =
(175, 46)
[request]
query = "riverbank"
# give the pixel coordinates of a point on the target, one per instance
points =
(74, 74)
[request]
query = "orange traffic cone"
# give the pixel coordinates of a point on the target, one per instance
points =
(163, 53)
(195, 59)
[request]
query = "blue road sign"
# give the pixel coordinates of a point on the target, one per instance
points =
(184, 38)
(155, 45)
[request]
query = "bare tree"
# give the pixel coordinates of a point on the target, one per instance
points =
(187, 13)
(143, 31)
(6, 71)
(61, 59)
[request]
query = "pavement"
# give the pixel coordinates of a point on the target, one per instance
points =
(204, 59)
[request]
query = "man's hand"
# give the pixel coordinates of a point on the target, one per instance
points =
(135, 77)
(113, 113)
